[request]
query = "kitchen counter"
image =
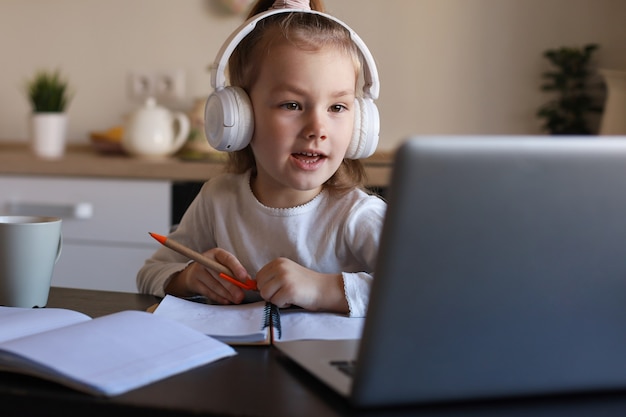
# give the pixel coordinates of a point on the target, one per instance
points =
(85, 162)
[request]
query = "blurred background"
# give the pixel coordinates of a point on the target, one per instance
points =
(446, 66)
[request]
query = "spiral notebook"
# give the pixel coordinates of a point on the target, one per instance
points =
(260, 323)
(501, 272)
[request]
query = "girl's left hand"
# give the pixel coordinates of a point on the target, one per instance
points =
(284, 282)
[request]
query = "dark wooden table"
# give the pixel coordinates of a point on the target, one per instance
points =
(98, 303)
(256, 382)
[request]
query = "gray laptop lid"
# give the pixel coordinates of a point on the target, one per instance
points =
(502, 271)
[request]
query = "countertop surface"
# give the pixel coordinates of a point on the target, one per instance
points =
(85, 162)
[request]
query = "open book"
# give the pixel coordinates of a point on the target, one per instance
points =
(107, 355)
(259, 323)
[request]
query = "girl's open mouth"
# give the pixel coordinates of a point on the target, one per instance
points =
(308, 157)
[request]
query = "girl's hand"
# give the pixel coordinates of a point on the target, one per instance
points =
(285, 283)
(199, 280)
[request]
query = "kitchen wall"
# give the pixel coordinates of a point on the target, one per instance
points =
(446, 66)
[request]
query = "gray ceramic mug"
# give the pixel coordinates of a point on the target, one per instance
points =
(30, 246)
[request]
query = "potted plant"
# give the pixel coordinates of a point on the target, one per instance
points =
(568, 112)
(49, 97)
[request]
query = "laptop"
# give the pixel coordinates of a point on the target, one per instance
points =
(501, 273)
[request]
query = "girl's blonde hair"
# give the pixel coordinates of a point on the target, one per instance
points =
(308, 31)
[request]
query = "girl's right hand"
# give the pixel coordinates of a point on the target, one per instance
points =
(196, 279)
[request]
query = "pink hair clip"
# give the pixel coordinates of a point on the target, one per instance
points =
(292, 4)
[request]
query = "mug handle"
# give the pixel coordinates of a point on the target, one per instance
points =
(59, 248)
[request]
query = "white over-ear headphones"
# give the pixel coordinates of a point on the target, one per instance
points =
(228, 115)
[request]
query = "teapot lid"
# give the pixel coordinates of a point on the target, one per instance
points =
(151, 106)
(150, 102)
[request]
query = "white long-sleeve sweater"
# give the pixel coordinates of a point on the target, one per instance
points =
(328, 234)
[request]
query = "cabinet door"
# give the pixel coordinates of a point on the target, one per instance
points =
(105, 224)
(100, 267)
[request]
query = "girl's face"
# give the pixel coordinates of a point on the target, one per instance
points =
(303, 105)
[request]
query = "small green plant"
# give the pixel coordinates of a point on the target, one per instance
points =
(48, 92)
(567, 114)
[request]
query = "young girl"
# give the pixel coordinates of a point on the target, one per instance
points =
(290, 213)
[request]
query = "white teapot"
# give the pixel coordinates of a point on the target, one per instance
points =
(151, 131)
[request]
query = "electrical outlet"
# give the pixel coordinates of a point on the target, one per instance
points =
(140, 85)
(169, 85)
(164, 85)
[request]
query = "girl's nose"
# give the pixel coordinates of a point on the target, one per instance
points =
(315, 127)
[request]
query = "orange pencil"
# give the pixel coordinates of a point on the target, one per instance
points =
(224, 272)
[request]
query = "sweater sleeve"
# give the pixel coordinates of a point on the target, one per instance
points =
(357, 289)
(363, 230)
(157, 271)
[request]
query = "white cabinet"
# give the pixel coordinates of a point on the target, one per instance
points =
(105, 224)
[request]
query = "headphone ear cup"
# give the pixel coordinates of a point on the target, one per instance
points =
(228, 119)
(366, 129)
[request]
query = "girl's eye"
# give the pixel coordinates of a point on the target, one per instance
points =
(337, 108)
(290, 106)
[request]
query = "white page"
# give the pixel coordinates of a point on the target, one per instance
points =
(226, 322)
(119, 352)
(243, 322)
(17, 322)
(301, 324)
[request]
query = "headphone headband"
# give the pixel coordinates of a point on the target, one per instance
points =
(371, 87)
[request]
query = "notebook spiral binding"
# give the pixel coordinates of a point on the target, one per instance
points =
(272, 318)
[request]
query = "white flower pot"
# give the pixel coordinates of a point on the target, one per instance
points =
(49, 131)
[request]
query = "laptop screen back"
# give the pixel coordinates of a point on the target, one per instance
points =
(502, 271)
